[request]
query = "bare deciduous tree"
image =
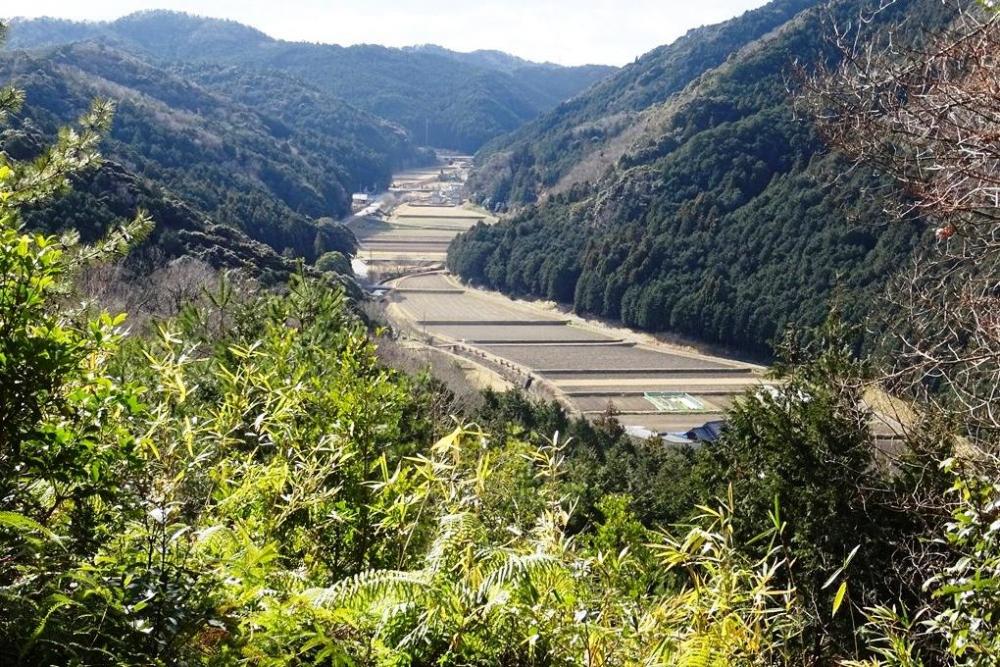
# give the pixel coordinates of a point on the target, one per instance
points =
(928, 117)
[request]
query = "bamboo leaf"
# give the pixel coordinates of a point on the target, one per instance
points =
(838, 599)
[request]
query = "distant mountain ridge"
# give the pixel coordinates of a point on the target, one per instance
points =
(499, 60)
(443, 98)
(256, 157)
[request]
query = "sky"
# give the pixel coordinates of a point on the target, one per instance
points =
(568, 32)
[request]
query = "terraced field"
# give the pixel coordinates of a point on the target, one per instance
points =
(443, 308)
(485, 335)
(650, 387)
(556, 358)
(414, 233)
(417, 232)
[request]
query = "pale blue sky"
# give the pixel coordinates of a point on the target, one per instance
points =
(570, 32)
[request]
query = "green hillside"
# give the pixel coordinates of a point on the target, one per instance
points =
(579, 139)
(265, 155)
(204, 469)
(445, 99)
(725, 219)
(101, 200)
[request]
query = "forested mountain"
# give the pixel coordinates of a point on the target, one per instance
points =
(489, 58)
(103, 199)
(582, 137)
(724, 218)
(445, 99)
(259, 153)
(549, 80)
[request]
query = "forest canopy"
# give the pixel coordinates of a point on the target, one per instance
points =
(442, 98)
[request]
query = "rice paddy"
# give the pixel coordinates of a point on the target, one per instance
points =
(589, 369)
(650, 386)
(417, 232)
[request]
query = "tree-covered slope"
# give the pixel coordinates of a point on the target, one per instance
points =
(252, 482)
(449, 100)
(729, 223)
(581, 137)
(491, 59)
(102, 199)
(262, 154)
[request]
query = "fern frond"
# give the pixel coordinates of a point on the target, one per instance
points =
(363, 591)
(536, 570)
(455, 530)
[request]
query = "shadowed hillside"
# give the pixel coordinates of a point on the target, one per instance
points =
(268, 159)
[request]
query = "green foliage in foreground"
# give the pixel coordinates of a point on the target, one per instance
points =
(335, 262)
(252, 488)
(191, 499)
(154, 506)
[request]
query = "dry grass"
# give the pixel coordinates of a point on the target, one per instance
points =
(894, 408)
(463, 395)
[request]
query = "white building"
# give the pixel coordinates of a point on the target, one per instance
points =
(360, 201)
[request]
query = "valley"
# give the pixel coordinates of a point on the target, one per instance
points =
(368, 351)
(592, 370)
(650, 388)
(412, 224)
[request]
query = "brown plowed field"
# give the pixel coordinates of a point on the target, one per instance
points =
(461, 308)
(618, 390)
(560, 376)
(427, 281)
(414, 234)
(411, 234)
(445, 212)
(518, 334)
(582, 364)
(667, 423)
